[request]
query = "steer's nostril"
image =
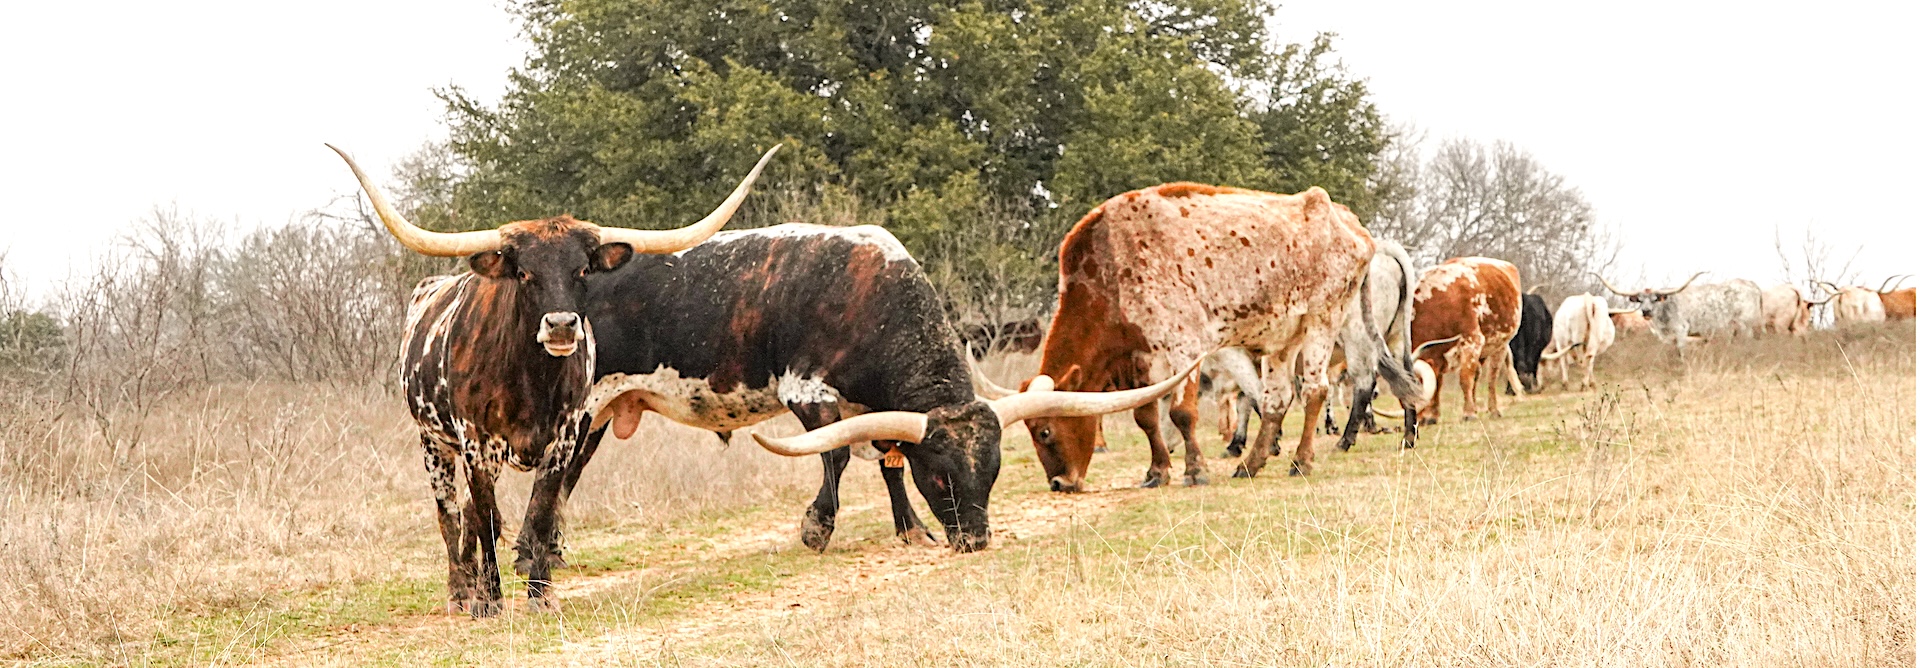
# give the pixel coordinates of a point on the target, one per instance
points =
(558, 320)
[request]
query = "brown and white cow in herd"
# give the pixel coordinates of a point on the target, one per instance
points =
(1153, 279)
(1478, 300)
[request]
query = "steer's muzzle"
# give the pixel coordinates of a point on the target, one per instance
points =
(962, 541)
(560, 333)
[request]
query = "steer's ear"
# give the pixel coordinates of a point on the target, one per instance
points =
(609, 257)
(491, 264)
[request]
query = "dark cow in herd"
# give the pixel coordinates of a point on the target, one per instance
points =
(1154, 279)
(1536, 331)
(823, 322)
(818, 321)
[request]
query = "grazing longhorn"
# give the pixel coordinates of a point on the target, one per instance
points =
(1153, 279)
(1854, 305)
(1379, 326)
(1536, 331)
(1784, 311)
(820, 322)
(1698, 312)
(1582, 329)
(1473, 305)
(498, 361)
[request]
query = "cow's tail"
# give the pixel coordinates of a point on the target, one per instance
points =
(1396, 362)
(1391, 364)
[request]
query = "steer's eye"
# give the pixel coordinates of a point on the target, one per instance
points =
(1044, 434)
(580, 273)
(525, 275)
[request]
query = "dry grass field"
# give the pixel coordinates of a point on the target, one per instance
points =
(1750, 503)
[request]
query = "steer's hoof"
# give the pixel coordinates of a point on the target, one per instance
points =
(1298, 470)
(543, 604)
(1196, 479)
(1100, 450)
(1231, 452)
(1469, 418)
(918, 536)
(1242, 471)
(1154, 479)
(483, 609)
(1406, 444)
(815, 533)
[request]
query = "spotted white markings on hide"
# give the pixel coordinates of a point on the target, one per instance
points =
(793, 389)
(864, 235)
(689, 401)
(1445, 275)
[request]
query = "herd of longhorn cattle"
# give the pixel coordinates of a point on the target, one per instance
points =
(562, 331)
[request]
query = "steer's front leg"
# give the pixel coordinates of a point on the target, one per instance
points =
(443, 461)
(816, 529)
(537, 551)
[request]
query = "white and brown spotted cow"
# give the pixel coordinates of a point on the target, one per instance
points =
(498, 361)
(1153, 279)
(1478, 300)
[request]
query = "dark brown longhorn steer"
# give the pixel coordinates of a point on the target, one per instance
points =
(1154, 279)
(497, 361)
(811, 320)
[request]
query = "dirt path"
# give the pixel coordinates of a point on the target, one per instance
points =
(1014, 521)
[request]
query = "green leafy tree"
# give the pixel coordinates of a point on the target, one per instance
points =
(940, 116)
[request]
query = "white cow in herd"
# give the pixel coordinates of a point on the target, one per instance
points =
(1582, 329)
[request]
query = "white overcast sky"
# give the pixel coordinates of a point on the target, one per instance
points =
(1695, 130)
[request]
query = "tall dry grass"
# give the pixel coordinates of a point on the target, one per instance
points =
(1749, 503)
(241, 494)
(219, 430)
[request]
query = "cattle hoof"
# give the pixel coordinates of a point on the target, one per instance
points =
(1297, 470)
(816, 532)
(1345, 445)
(548, 604)
(1154, 479)
(1469, 418)
(1196, 479)
(1100, 450)
(1231, 452)
(918, 536)
(458, 606)
(1242, 471)
(484, 609)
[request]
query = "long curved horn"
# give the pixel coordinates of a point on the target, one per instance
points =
(1046, 403)
(883, 426)
(1617, 291)
(1683, 286)
(1830, 295)
(984, 386)
(1832, 290)
(435, 244)
(1548, 357)
(1435, 342)
(1883, 284)
(674, 241)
